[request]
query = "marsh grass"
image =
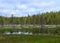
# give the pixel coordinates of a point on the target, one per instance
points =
(30, 39)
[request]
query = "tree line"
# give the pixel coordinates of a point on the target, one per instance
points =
(47, 18)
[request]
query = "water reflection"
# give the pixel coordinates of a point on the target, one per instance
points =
(26, 33)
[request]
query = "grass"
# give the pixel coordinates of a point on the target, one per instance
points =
(2, 29)
(29, 39)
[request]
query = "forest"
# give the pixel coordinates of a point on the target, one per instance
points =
(47, 18)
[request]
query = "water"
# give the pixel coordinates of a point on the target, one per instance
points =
(26, 33)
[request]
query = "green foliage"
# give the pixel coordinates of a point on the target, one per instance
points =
(49, 18)
(29, 39)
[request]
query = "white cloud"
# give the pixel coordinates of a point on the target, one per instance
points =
(42, 4)
(23, 7)
(47, 3)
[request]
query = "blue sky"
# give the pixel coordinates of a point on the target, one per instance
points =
(25, 7)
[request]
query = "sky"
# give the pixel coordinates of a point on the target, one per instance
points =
(25, 7)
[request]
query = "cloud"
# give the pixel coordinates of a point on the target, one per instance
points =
(23, 7)
(52, 9)
(47, 4)
(42, 4)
